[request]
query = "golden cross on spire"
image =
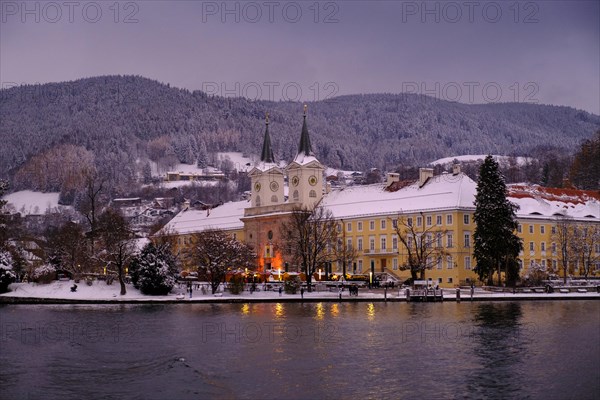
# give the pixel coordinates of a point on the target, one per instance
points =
(305, 107)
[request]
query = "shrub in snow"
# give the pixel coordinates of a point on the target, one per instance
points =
(236, 284)
(7, 276)
(44, 274)
(153, 270)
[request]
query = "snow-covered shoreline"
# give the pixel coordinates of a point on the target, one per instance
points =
(100, 293)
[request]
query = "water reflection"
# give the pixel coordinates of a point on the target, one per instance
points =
(499, 348)
(319, 311)
(335, 310)
(246, 309)
(279, 311)
(302, 351)
(371, 311)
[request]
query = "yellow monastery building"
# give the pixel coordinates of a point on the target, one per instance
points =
(440, 208)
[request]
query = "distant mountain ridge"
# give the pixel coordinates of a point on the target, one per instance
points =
(115, 117)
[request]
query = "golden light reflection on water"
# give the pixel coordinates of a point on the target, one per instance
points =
(246, 309)
(279, 310)
(371, 311)
(320, 311)
(335, 310)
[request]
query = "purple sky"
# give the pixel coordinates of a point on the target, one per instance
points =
(469, 51)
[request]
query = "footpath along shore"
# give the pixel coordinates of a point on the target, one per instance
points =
(60, 293)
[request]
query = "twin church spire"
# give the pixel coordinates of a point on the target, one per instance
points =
(304, 146)
(304, 176)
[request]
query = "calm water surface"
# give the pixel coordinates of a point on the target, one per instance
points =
(526, 350)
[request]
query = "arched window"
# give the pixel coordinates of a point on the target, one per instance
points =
(273, 199)
(312, 193)
(257, 201)
(296, 195)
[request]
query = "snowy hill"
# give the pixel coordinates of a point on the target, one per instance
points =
(120, 119)
(502, 160)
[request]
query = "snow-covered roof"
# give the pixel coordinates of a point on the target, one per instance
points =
(226, 216)
(266, 166)
(303, 159)
(441, 192)
(539, 202)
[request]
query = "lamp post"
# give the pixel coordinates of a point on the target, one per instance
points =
(319, 274)
(370, 279)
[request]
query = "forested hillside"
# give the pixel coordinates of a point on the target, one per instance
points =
(112, 121)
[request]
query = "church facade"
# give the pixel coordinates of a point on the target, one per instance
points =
(439, 209)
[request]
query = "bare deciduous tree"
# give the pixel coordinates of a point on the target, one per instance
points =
(308, 235)
(422, 245)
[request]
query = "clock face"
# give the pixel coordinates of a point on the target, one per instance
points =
(312, 180)
(274, 186)
(295, 181)
(257, 186)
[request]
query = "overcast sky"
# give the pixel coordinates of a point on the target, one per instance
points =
(469, 51)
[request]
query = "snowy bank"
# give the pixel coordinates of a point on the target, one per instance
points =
(100, 292)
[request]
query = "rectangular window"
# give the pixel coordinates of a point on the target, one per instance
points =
(438, 238)
(543, 263)
(428, 240)
(359, 226)
(449, 280)
(372, 225)
(531, 228)
(409, 242)
(349, 227)
(360, 262)
(553, 246)
(542, 229)
(372, 243)
(440, 263)
(428, 219)
(531, 246)
(349, 243)
(339, 227)
(449, 219)
(395, 264)
(449, 240)
(419, 221)
(359, 243)
(520, 228)
(382, 224)
(543, 246)
(409, 221)
(395, 223)
(467, 240)
(466, 219)
(383, 241)
(449, 262)
(438, 220)
(553, 230)
(395, 243)
(468, 263)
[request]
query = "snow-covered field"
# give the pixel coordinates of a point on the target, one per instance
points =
(100, 291)
(30, 202)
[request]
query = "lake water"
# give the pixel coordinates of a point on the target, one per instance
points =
(480, 350)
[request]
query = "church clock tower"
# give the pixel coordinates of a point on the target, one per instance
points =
(266, 176)
(305, 173)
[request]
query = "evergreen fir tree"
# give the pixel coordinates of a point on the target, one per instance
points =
(202, 161)
(153, 270)
(496, 244)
